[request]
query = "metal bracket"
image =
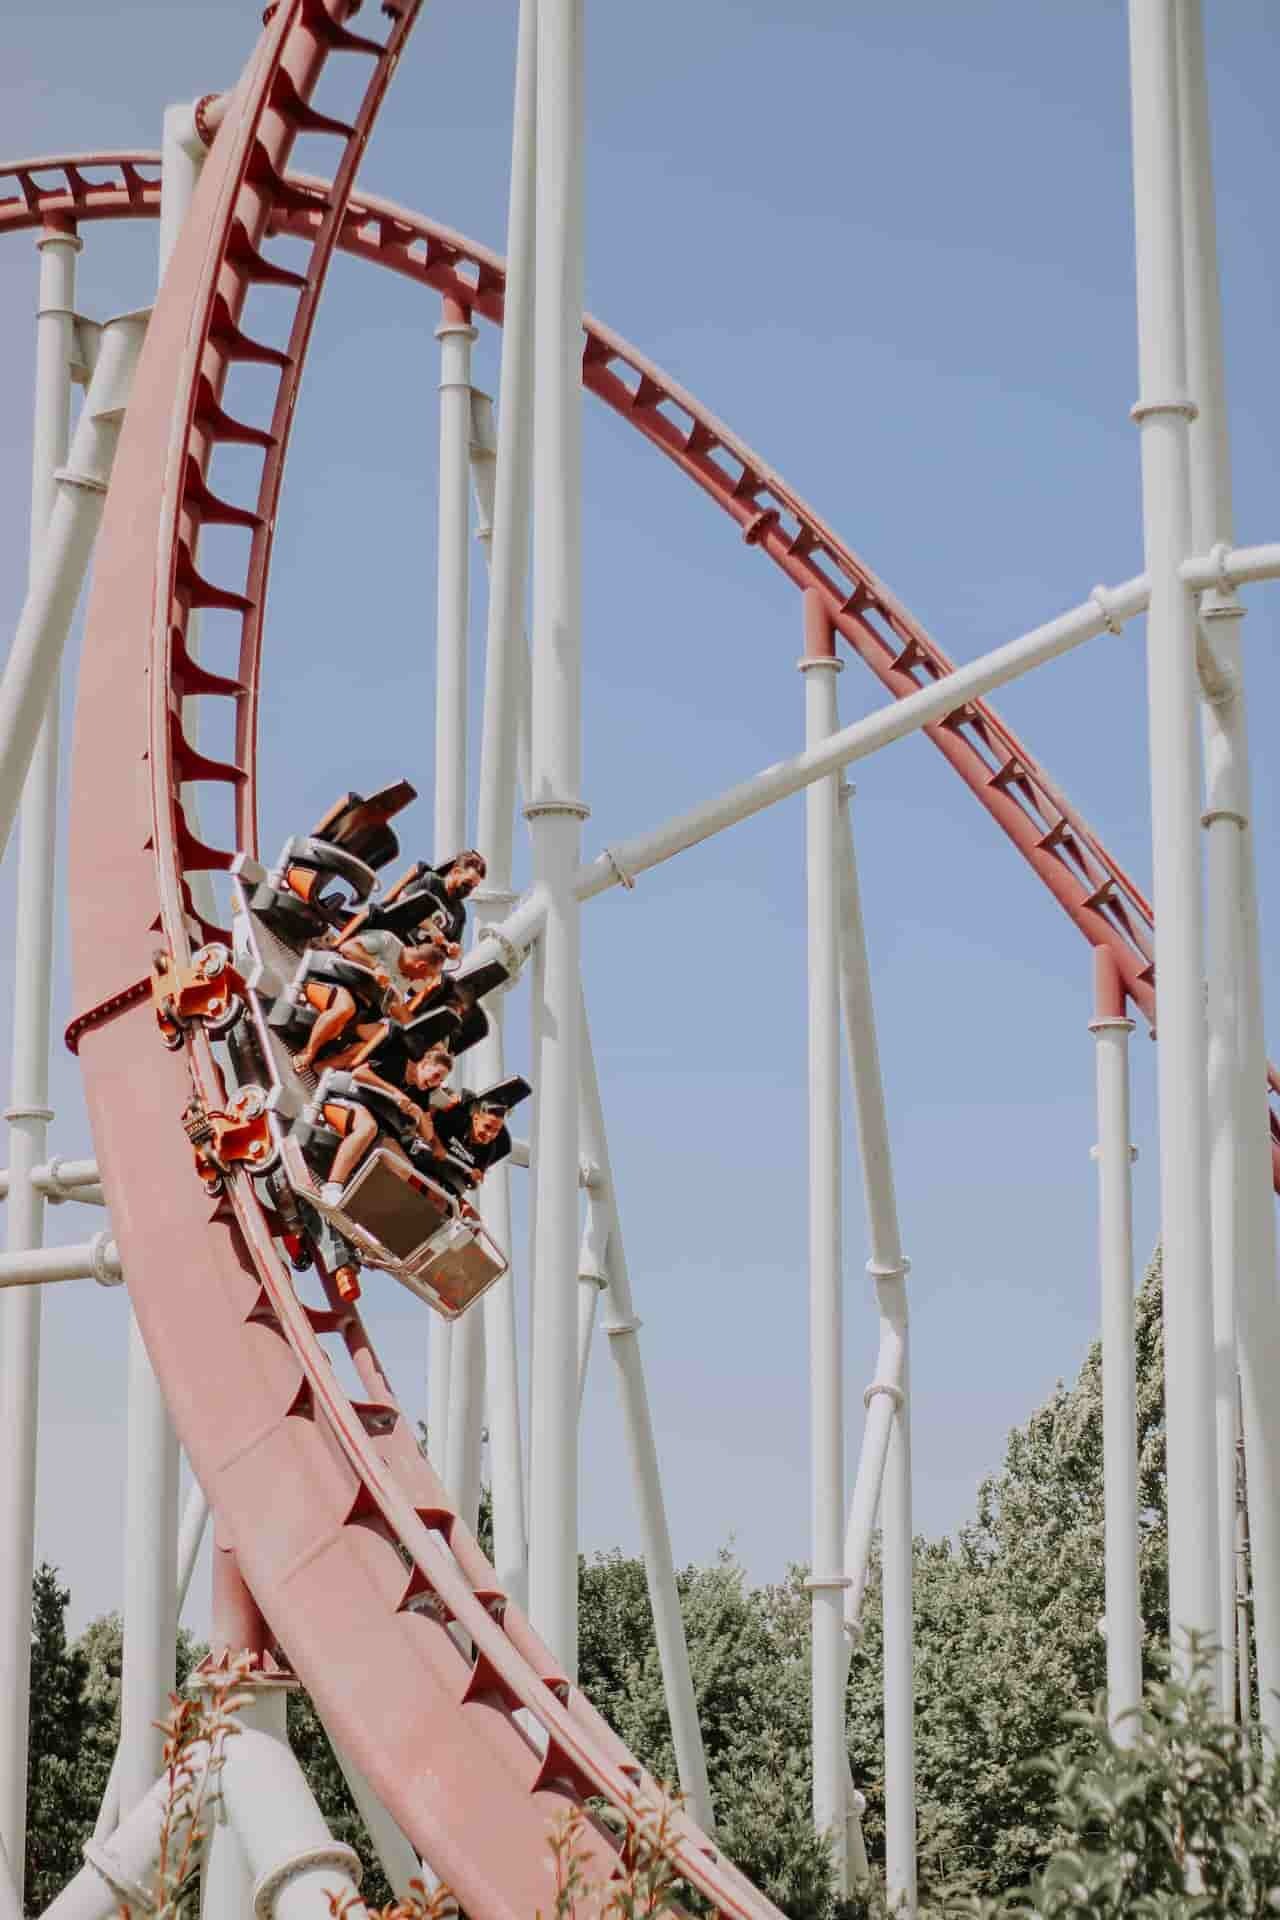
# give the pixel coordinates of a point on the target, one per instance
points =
(209, 993)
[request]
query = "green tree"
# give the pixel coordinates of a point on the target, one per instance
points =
(57, 1802)
(749, 1658)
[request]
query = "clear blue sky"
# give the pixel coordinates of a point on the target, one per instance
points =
(892, 246)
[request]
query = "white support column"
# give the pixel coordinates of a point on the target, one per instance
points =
(152, 1470)
(31, 667)
(884, 1464)
(593, 1278)
(1163, 413)
(1242, 1189)
(453, 558)
(147, 1674)
(826, 1319)
(556, 811)
(505, 716)
(28, 1112)
(1111, 1029)
(297, 1869)
(503, 483)
(622, 1330)
(195, 1518)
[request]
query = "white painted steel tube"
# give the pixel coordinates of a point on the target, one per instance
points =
(397, 1858)
(31, 669)
(28, 1113)
(295, 1862)
(884, 1465)
(899, 1716)
(622, 1330)
(593, 1278)
(147, 1674)
(1234, 567)
(556, 811)
(10, 1898)
(453, 554)
(120, 1870)
(1107, 607)
(1111, 1030)
(1247, 1306)
(1173, 697)
(195, 1518)
(503, 489)
(826, 1320)
(97, 1259)
(497, 803)
(152, 1457)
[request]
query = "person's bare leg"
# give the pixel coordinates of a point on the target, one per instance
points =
(330, 1026)
(355, 1145)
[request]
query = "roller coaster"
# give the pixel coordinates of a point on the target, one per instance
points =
(347, 1559)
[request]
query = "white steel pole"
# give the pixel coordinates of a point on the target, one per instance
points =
(1104, 611)
(1111, 1029)
(453, 555)
(556, 811)
(622, 1330)
(884, 1465)
(147, 1674)
(57, 575)
(1243, 1196)
(195, 1518)
(152, 1470)
(28, 1112)
(826, 1583)
(1163, 413)
(504, 692)
(505, 481)
(297, 1870)
(593, 1278)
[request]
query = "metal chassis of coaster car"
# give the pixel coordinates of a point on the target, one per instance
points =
(456, 1260)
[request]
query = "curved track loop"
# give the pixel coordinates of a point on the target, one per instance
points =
(431, 1679)
(1068, 856)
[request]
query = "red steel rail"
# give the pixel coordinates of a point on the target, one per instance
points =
(1050, 834)
(429, 1675)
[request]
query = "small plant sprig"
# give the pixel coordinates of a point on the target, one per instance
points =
(418, 1903)
(196, 1730)
(649, 1884)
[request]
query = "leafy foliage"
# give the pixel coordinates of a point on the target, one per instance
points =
(61, 1718)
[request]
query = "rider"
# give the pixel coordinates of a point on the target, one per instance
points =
(420, 1101)
(404, 974)
(473, 1135)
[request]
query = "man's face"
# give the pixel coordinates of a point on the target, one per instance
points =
(465, 875)
(486, 1125)
(426, 958)
(431, 1071)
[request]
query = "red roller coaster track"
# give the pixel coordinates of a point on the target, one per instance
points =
(1101, 899)
(342, 1529)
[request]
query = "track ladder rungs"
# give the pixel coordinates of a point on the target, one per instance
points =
(211, 420)
(289, 103)
(244, 256)
(199, 592)
(316, 15)
(232, 344)
(187, 676)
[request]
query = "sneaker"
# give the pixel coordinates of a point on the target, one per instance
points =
(331, 1194)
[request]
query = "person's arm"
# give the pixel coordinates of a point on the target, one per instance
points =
(356, 951)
